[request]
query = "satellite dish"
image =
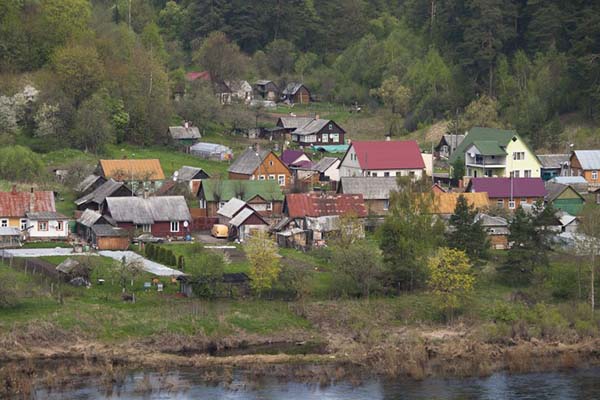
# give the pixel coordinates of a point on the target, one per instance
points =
(175, 176)
(472, 154)
(185, 224)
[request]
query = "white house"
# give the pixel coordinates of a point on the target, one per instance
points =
(47, 225)
(383, 159)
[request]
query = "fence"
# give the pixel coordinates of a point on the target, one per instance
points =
(31, 265)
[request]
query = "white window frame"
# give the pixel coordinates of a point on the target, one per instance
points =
(23, 224)
(269, 206)
(60, 226)
(500, 203)
(512, 205)
(335, 137)
(324, 138)
(271, 177)
(174, 226)
(4, 223)
(527, 173)
(281, 179)
(43, 226)
(261, 178)
(202, 203)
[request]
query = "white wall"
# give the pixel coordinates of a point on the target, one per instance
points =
(52, 231)
(333, 172)
(350, 166)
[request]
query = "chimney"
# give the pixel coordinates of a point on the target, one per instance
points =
(186, 124)
(14, 189)
(317, 116)
(387, 138)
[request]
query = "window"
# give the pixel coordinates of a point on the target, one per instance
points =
(518, 155)
(511, 204)
(500, 203)
(373, 173)
(594, 175)
(145, 227)
(324, 138)
(386, 204)
(4, 223)
(271, 177)
(281, 180)
(330, 126)
(523, 199)
(42, 226)
(174, 226)
(59, 226)
(515, 174)
(202, 203)
(23, 224)
(527, 173)
(261, 178)
(411, 174)
(386, 174)
(269, 206)
(335, 137)
(271, 163)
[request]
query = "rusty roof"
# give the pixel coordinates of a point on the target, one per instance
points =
(17, 204)
(299, 205)
(445, 203)
(139, 170)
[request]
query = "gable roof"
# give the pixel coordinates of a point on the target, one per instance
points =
(445, 203)
(293, 87)
(489, 148)
(324, 164)
(293, 122)
(589, 159)
(227, 189)
(554, 161)
(263, 82)
(370, 188)
(105, 230)
(124, 170)
(181, 132)
(89, 218)
(450, 140)
(569, 180)
(249, 161)
(187, 173)
(243, 215)
(556, 189)
(289, 156)
(202, 75)
(500, 136)
(376, 155)
(139, 210)
(18, 204)
(100, 194)
(300, 205)
(314, 126)
(87, 182)
(491, 220)
(232, 207)
(508, 187)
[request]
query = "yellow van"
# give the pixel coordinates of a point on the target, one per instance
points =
(220, 231)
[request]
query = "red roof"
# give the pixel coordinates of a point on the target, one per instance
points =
(16, 204)
(301, 205)
(389, 155)
(508, 187)
(203, 75)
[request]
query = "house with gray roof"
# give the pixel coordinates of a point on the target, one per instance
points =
(296, 92)
(586, 163)
(89, 184)
(162, 216)
(95, 200)
(266, 90)
(328, 169)
(554, 165)
(185, 135)
(260, 164)
(241, 219)
(375, 192)
(307, 131)
(447, 145)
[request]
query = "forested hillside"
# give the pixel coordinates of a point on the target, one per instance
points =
(85, 73)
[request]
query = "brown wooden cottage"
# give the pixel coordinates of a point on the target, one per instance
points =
(296, 92)
(260, 165)
(312, 131)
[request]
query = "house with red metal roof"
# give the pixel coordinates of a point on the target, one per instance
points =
(509, 192)
(382, 159)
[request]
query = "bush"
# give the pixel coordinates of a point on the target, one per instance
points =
(562, 281)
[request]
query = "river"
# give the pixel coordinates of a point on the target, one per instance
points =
(184, 385)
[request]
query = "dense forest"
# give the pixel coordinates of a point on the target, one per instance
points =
(94, 72)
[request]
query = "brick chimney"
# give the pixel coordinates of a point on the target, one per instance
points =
(14, 189)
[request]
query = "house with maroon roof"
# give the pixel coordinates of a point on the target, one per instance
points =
(509, 193)
(383, 159)
(291, 157)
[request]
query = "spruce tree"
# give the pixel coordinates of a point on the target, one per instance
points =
(467, 232)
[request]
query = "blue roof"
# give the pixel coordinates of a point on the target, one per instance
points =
(334, 148)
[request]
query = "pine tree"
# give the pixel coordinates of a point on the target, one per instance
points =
(467, 232)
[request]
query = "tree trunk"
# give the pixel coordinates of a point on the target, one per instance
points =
(592, 291)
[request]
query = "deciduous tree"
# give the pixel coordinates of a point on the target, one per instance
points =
(261, 252)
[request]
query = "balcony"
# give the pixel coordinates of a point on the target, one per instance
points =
(486, 162)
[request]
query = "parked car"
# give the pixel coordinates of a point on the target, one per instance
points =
(220, 231)
(148, 238)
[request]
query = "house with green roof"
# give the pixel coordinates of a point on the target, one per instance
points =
(265, 197)
(490, 152)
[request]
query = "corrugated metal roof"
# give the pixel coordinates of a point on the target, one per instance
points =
(182, 133)
(312, 127)
(500, 136)
(248, 161)
(324, 164)
(45, 216)
(187, 173)
(105, 230)
(299, 205)
(569, 180)
(388, 155)
(139, 210)
(292, 88)
(294, 122)
(554, 161)
(17, 204)
(445, 203)
(107, 189)
(140, 170)
(87, 183)
(230, 208)
(89, 218)
(241, 217)
(370, 188)
(490, 220)
(589, 159)
(489, 148)
(508, 187)
(225, 189)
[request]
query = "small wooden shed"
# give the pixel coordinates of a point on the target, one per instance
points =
(107, 237)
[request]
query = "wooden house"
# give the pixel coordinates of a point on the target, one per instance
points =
(564, 197)
(509, 193)
(184, 136)
(266, 197)
(241, 219)
(89, 184)
(375, 192)
(447, 145)
(266, 90)
(260, 165)
(586, 163)
(554, 165)
(497, 230)
(161, 216)
(141, 175)
(312, 131)
(296, 93)
(96, 199)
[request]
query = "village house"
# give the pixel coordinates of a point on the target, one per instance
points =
(89, 184)
(241, 219)
(265, 197)
(99, 231)
(489, 152)
(141, 175)
(296, 93)
(497, 229)
(198, 75)
(312, 218)
(447, 145)
(292, 157)
(375, 192)
(33, 214)
(509, 193)
(189, 176)
(576, 182)
(564, 197)
(96, 199)
(328, 169)
(234, 91)
(383, 159)
(184, 136)
(161, 216)
(311, 131)
(586, 163)
(266, 90)
(260, 165)
(554, 165)
(444, 203)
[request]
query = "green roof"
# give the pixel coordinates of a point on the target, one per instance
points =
(478, 134)
(225, 190)
(489, 148)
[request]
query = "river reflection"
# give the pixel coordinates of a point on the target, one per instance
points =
(184, 385)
